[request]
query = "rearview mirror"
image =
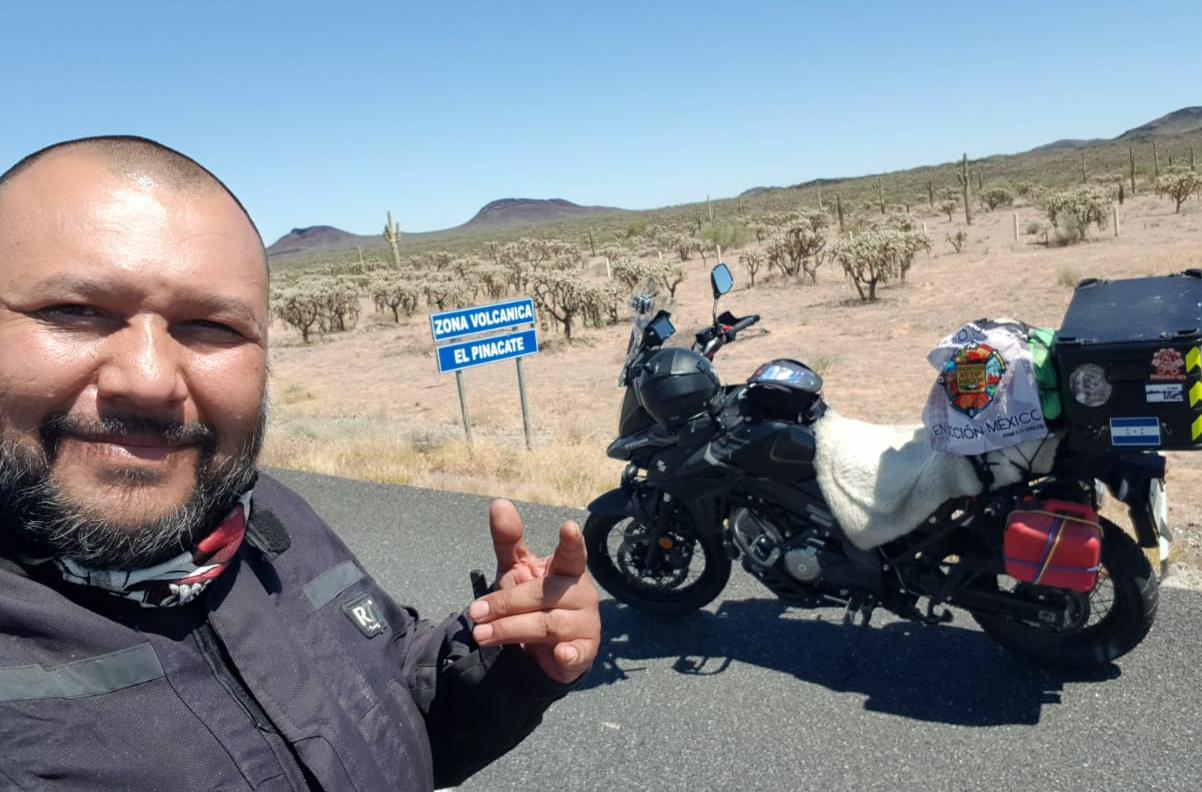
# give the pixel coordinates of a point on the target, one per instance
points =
(721, 280)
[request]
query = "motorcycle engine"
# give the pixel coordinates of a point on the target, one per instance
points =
(783, 557)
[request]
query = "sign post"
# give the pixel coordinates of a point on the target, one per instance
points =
(487, 344)
(525, 408)
(467, 419)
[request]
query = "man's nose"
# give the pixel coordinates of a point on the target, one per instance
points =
(143, 365)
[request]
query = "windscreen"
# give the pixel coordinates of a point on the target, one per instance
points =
(646, 302)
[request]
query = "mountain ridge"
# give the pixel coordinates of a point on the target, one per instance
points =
(506, 213)
(498, 214)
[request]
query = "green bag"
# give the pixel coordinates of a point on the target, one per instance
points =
(1041, 340)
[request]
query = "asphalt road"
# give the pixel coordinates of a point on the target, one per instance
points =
(749, 696)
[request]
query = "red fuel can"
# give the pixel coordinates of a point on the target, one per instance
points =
(1054, 543)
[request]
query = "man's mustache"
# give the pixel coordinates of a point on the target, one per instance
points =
(144, 428)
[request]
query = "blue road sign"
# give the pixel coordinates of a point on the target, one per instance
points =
(477, 352)
(481, 319)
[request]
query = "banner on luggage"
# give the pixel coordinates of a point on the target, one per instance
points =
(985, 396)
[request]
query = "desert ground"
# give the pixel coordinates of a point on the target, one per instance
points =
(370, 404)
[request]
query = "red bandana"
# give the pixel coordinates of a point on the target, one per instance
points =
(175, 581)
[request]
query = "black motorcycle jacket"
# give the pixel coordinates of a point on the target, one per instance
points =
(294, 671)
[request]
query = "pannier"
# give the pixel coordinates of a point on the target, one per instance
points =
(1130, 360)
(1054, 543)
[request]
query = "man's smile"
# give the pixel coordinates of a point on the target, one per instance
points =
(128, 448)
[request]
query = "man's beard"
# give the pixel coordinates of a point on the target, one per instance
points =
(44, 522)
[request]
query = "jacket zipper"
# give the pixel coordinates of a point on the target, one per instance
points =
(214, 655)
(222, 667)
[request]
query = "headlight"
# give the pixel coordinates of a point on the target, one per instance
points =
(1089, 386)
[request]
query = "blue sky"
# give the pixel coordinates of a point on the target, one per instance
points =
(322, 115)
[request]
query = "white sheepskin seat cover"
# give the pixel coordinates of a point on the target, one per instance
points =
(882, 481)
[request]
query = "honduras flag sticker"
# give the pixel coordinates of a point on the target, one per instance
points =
(1135, 431)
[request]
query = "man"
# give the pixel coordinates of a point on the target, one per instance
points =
(169, 619)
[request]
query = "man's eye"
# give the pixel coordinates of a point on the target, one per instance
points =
(70, 312)
(215, 328)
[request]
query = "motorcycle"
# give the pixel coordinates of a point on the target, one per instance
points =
(717, 473)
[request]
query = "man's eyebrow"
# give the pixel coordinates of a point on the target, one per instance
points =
(72, 284)
(69, 286)
(216, 304)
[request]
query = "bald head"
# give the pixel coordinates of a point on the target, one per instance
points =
(126, 209)
(136, 159)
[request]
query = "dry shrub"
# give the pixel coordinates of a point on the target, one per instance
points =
(568, 471)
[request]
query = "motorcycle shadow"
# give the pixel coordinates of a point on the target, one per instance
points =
(946, 674)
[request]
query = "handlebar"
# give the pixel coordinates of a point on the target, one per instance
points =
(711, 339)
(743, 324)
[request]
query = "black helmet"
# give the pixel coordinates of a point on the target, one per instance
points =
(676, 384)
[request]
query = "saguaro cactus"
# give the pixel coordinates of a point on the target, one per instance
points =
(839, 211)
(880, 194)
(1155, 161)
(1131, 159)
(393, 236)
(931, 193)
(963, 178)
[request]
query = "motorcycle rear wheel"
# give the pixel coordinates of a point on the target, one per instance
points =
(1132, 610)
(617, 567)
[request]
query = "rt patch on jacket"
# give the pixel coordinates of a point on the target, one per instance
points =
(364, 614)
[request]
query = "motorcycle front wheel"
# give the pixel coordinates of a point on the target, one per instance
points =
(671, 571)
(1110, 621)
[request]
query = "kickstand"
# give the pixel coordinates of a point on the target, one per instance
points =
(944, 616)
(853, 638)
(858, 606)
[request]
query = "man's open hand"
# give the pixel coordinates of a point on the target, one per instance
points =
(548, 606)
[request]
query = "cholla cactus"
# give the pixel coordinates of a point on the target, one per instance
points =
(671, 276)
(1179, 183)
(395, 292)
(877, 256)
(562, 296)
(631, 272)
(685, 245)
(601, 304)
(753, 262)
(495, 280)
(444, 290)
(328, 303)
(1072, 211)
(339, 298)
(298, 308)
(995, 197)
(798, 245)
